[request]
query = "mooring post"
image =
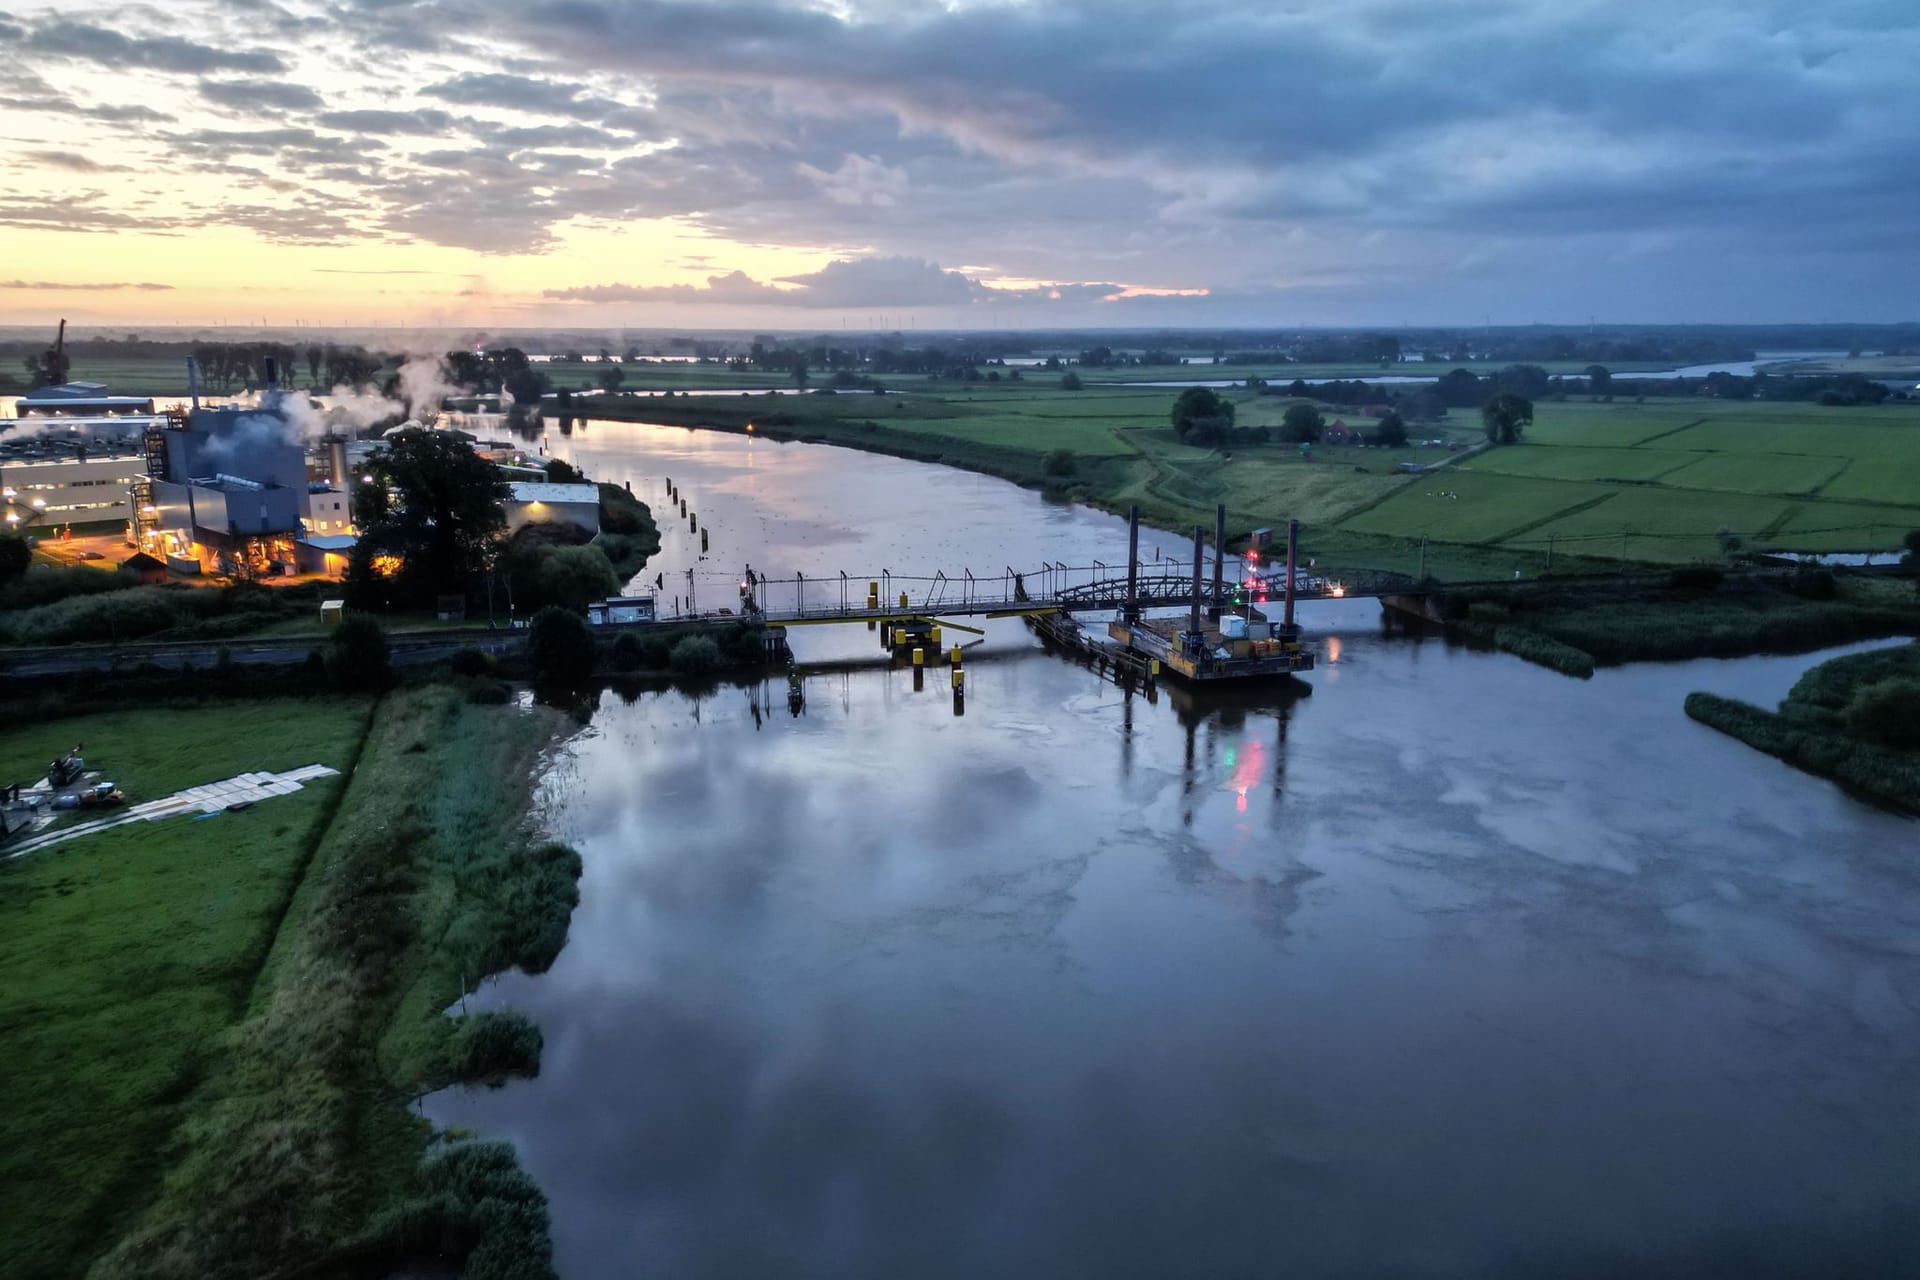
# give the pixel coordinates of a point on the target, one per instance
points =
(1293, 558)
(1132, 610)
(1199, 550)
(1219, 558)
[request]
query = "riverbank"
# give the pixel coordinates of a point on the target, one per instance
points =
(270, 1133)
(1854, 720)
(1574, 629)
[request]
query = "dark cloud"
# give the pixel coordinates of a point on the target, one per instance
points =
(57, 286)
(260, 95)
(158, 53)
(421, 123)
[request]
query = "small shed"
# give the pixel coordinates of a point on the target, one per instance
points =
(451, 609)
(144, 568)
(333, 612)
(620, 609)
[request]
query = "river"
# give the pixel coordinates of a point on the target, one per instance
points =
(1454, 964)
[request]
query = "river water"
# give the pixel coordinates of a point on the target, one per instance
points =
(1455, 964)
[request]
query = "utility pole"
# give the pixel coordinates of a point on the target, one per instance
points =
(1549, 568)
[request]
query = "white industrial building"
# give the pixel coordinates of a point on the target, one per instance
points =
(529, 502)
(56, 484)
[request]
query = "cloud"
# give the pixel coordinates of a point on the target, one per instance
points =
(847, 284)
(159, 53)
(70, 161)
(58, 286)
(424, 123)
(260, 95)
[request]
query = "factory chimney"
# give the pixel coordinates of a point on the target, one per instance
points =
(337, 464)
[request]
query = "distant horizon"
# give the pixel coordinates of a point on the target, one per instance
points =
(979, 165)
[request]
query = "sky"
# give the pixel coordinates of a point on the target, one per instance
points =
(915, 163)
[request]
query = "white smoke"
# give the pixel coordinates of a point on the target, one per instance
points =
(424, 384)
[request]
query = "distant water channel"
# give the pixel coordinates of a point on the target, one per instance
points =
(1456, 964)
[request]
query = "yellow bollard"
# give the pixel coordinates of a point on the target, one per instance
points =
(1153, 668)
(959, 679)
(903, 599)
(933, 638)
(873, 589)
(919, 656)
(953, 655)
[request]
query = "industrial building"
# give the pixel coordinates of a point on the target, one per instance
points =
(79, 397)
(529, 502)
(51, 481)
(224, 491)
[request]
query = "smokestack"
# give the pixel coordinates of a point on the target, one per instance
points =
(193, 382)
(1199, 550)
(1293, 556)
(337, 463)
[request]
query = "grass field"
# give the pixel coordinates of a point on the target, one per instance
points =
(1660, 482)
(128, 954)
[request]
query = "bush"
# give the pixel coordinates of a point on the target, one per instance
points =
(484, 691)
(44, 586)
(469, 661)
(627, 654)
(493, 1047)
(542, 889)
(560, 645)
(1887, 713)
(1695, 577)
(1057, 462)
(121, 615)
(357, 654)
(1070, 382)
(1813, 584)
(16, 557)
(695, 655)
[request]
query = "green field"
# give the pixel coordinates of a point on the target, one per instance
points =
(1663, 482)
(129, 952)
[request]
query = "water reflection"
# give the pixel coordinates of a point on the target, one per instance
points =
(1455, 966)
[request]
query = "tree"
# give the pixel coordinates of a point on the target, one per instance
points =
(1201, 409)
(1599, 379)
(1506, 417)
(1912, 543)
(1070, 381)
(613, 377)
(1057, 462)
(1391, 431)
(434, 504)
(1302, 424)
(15, 558)
(560, 645)
(1527, 380)
(574, 577)
(357, 655)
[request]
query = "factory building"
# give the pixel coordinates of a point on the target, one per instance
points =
(224, 491)
(49, 482)
(545, 503)
(81, 398)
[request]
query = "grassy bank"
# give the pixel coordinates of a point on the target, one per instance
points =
(1121, 452)
(129, 953)
(1855, 720)
(217, 1026)
(299, 1145)
(1573, 629)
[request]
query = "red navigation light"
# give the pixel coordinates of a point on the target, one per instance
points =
(1253, 557)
